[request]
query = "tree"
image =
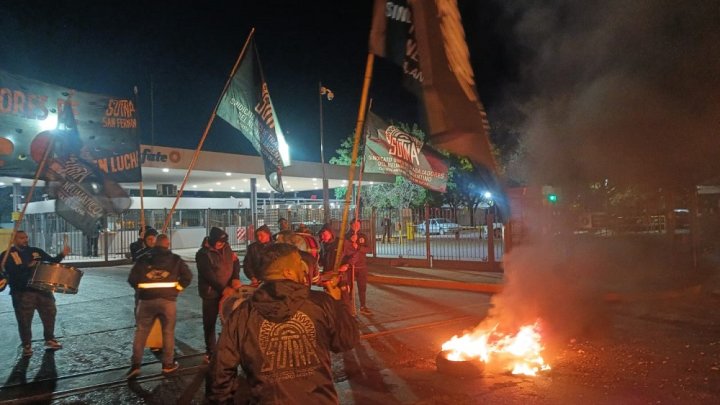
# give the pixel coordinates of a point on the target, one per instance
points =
(401, 194)
(467, 185)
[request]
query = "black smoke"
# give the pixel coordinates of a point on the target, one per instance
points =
(626, 90)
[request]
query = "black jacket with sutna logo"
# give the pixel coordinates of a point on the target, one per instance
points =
(159, 274)
(282, 338)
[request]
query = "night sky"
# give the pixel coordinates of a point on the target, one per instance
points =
(593, 89)
(186, 52)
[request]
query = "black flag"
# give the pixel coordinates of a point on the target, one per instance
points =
(84, 194)
(436, 53)
(246, 105)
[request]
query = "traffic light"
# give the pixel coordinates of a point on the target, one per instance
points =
(552, 198)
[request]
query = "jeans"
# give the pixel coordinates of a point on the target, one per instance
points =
(25, 303)
(210, 309)
(145, 314)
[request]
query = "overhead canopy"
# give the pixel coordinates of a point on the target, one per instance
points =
(167, 165)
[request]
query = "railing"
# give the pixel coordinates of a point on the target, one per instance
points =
(404, 238)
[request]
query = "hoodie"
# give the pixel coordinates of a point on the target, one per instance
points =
(216, 269)
(282, 338)
(253, 260)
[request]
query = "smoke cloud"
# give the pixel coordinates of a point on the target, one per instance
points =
(626, 90)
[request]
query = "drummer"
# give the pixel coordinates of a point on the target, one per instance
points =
(26, 300)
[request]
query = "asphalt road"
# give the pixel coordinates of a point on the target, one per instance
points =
(96, 327)
(646, 332)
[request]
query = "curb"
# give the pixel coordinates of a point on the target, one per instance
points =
(612, 297)
(428, 283)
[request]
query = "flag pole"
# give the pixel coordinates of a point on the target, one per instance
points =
(362, 169)
(39, 170)
(207, 129)
(142, 208)
(356, 143)
(142, 200)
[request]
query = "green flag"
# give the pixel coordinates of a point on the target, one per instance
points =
(246, 105)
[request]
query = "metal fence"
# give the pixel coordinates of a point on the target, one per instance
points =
(394, 233)
(436, 234)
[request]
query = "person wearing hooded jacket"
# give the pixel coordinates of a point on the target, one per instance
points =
(355, 249)
(282, 338)
(140, 246)
(158, 276)
(218, 276)
(149, 238)
(328, 248)
(252, 263)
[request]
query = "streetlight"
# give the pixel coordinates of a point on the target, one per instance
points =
(324, 91)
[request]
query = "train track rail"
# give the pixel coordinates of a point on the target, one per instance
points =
(53, 389)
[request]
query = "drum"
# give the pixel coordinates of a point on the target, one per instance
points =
(55, 277)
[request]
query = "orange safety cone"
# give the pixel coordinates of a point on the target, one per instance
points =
(154, 340)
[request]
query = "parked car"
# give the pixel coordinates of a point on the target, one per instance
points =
(438, 226)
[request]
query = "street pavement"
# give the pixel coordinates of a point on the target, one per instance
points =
(624, 323)
(96, 327)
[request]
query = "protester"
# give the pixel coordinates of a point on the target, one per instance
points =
(145, 242)
(19, 268)
(283, 225)
(142, 247)
(355, 249)
(282, 338)
(252, 263)
(218, 276)
(158, 276)
(91, 241)
(387, 229)
(328, 248)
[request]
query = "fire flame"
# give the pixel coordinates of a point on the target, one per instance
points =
(521, 351)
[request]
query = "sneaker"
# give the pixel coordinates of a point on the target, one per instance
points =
(52, 344)
(171, 368)
(365, 311)
(133, 372)
(27, 351)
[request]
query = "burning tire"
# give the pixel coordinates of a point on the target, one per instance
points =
(462, 368)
